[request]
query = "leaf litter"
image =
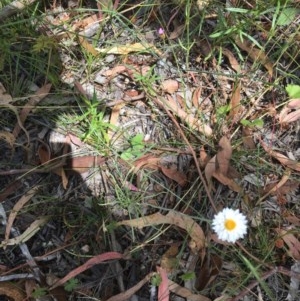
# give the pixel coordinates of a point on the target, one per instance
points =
(110, 208)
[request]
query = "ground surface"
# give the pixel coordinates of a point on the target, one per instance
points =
(125, 127)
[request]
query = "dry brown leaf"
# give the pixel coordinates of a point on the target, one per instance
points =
(44, 153)
(87, 265)
(292, 242)
(169, 260)
(232, 60)
(208, 271)
(224, 155)
(185, 293)
(286, 116)
(163, 288)
(196, 97)
(294, 104)
(174, 218)
(17, 207)
(148, 161)
(84, 163)
(247, 138)
(178, 30)
(194, 122)
(281, 158)
(256, 54)
(27, 234)
(87, 46)
(203, 157)
(115, 71)
(228, 182)
(170, 86)
(81, 24)
(284, 186)
(175, 175)
(114, 116)
(235, 103)
(128, 48)
(291, 117)
(12, 291)
(293, 219)
(210, 168)
(127, 294)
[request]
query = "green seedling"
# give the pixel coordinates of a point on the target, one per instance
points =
(293, 91)
(94, 123)
(71, 284)
(253, 123)
(135, 149)
(156, 280)
(188, 276)
(39, 292)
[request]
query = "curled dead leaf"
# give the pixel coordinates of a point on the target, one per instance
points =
(228, 182)
(128, 48)
(170, 86)
(210, 168)
(224, 155)
(292, 242)
(256, 54)
(281, 158)
(235, 103)
(174, 218)
(185, 293)
(247, 138)
(232, 60)
(12, 291)
(175, 175)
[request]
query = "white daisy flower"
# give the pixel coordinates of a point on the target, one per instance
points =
(230, 225)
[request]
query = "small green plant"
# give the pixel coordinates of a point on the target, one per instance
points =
(253, 123)
(39, 292)
(148, 81)
(94, 123)
(293, 91)
(71, 284)
(156, 280)
(188, 276)
(135, 149)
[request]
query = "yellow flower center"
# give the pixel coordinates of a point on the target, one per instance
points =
(230, 224)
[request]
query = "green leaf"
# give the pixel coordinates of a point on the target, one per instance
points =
(127, 155)
(287, 16)
(253, 123)
(71, 284)
(137, 140)
(223, 110)
(39, 292)
(293, 91)
(188, 276)
(156, 280)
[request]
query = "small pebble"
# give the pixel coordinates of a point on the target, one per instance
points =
(110, 58)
